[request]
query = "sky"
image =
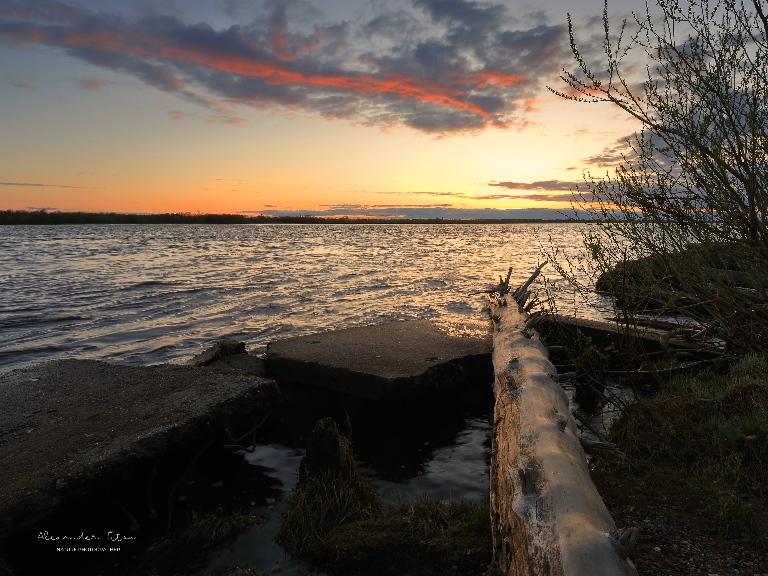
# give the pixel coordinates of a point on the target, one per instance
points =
(407, 108)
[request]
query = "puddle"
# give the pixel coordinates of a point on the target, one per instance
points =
(256, 548)
(456, 470)
(416, 454)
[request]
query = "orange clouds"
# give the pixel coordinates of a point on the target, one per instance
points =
(432, 78)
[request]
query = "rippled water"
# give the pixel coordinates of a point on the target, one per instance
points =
(160, 293)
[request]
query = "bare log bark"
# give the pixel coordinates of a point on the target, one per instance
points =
(547, 517)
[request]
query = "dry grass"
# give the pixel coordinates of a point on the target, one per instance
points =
(426, 537)
(218, 526)
(325, 501)
(185, 548)
(239, 571)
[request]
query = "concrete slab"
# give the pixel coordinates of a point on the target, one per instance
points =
(68, 426)
(393, 361)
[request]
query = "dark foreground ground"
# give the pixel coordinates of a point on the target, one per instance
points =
(56, 435)
(672, 543)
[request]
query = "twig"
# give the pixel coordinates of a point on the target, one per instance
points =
(523, 287)
(235, 441)
(501, 289)
(598, 447)
(583, 419)
(533, 320)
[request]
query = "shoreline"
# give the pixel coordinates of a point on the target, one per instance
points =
(22, 217)
(671, 542)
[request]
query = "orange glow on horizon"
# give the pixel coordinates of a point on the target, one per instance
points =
(222, 201)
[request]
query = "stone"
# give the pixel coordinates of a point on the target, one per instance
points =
(219, 351)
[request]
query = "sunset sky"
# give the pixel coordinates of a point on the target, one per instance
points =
(414, 108)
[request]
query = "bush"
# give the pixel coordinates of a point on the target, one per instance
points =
(692, 191)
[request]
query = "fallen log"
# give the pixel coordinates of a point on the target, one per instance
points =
(546, 515)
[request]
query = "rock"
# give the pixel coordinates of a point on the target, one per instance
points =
(219, 351)
(247, 362)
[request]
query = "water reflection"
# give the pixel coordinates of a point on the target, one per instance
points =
(407, 452)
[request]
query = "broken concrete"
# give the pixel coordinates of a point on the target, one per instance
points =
(71, 429)
(69, 426)
(389, 362)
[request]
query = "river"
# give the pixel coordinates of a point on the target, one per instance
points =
(146, 294)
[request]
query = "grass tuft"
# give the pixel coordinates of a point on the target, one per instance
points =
(334, 523)
(218, 525)
(427, 537)
(323, 501)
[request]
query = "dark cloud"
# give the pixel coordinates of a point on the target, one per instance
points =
(382, 206)
(624, 152)
(583, 195)
(536, 191)
(545, 191)
(424, 193)
(464, 13)
(612, 155)
(547, 185)
(36, 185)
(441, 66)
(537, 47)
(392, 25)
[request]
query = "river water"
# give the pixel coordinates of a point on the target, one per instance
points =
(145, 294)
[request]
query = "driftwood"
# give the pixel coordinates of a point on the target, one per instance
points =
(547, 517)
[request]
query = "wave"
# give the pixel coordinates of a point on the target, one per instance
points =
(24, 321)
(147, 283)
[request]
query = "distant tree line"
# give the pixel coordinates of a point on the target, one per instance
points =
(55, 217)
(29, 217)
